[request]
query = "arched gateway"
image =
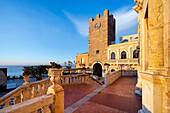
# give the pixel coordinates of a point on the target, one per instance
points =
(97, 69)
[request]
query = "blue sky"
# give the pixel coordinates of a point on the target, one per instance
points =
(40, 31)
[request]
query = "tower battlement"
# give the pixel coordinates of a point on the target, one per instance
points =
(105, 14)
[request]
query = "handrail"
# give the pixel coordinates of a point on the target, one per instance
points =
(41, 104)
(25, 92)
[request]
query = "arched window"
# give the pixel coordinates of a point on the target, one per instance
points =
(113, 55)
(124, 41)
(135, 54)
(123, 55)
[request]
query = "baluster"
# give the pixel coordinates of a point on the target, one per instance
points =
(43, 88)
(46, 109)
(17, 99)
(67, 80)
(39, 90)
(62, 81)
(71, 80)
(7, 103)
(80, 79)
(33, 92)
(83, 78)
(27, 93)
(75, 80)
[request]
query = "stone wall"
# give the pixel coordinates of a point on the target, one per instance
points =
(154, 68)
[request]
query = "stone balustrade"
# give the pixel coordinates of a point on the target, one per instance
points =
(42, 96)
(25, 92)
(124, 61)
(129, 72)
(113, 76)
(77, 79)
(42, 104)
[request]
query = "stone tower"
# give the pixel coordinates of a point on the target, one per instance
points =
(101, 35)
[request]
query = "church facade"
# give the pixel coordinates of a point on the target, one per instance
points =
(102, 48)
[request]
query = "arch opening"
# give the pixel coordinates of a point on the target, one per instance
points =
(97, 69)
(123, 55)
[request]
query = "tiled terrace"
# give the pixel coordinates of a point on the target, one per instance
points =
(118, 97)
(73, 93)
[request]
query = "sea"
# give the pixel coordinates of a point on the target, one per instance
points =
(13, 70)
(16, 70)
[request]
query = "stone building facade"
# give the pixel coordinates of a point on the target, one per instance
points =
(82, 60)
(124, 55)
(154, 66)
(102, 47)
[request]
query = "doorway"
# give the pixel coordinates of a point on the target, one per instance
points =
(97, 69)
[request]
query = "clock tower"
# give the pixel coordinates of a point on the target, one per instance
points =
(101, 35)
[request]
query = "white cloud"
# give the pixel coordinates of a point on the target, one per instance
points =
(80, 24)
(126, 21)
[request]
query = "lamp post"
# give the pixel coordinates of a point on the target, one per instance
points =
(106, 66)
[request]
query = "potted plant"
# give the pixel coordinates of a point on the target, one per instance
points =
(26, 75)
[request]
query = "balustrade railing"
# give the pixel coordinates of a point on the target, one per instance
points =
(25, 92)
(42, 104)
(31, 94)
(78, 79)
(123, 61)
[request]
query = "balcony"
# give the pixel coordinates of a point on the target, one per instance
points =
(123, 61)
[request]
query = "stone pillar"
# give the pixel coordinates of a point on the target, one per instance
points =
(118, 54)
(56, 90)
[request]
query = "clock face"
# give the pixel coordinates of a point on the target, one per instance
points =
(97, 25)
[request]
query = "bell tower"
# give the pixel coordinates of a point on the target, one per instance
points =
(101, 35)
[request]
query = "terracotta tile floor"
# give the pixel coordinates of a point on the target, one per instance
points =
(118, 97)
(73, 93)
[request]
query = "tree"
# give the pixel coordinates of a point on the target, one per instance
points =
(38, 71)
(68, 65)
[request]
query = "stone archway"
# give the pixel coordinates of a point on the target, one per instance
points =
(97, 69)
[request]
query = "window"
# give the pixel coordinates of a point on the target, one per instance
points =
(97, 51)
(123, 55)
(124, 41)
(113, 55)
(82, 60)
(130, 38)
(135, 54)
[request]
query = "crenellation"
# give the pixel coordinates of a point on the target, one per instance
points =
(97, 16)
(106, 12)
(91, 19)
